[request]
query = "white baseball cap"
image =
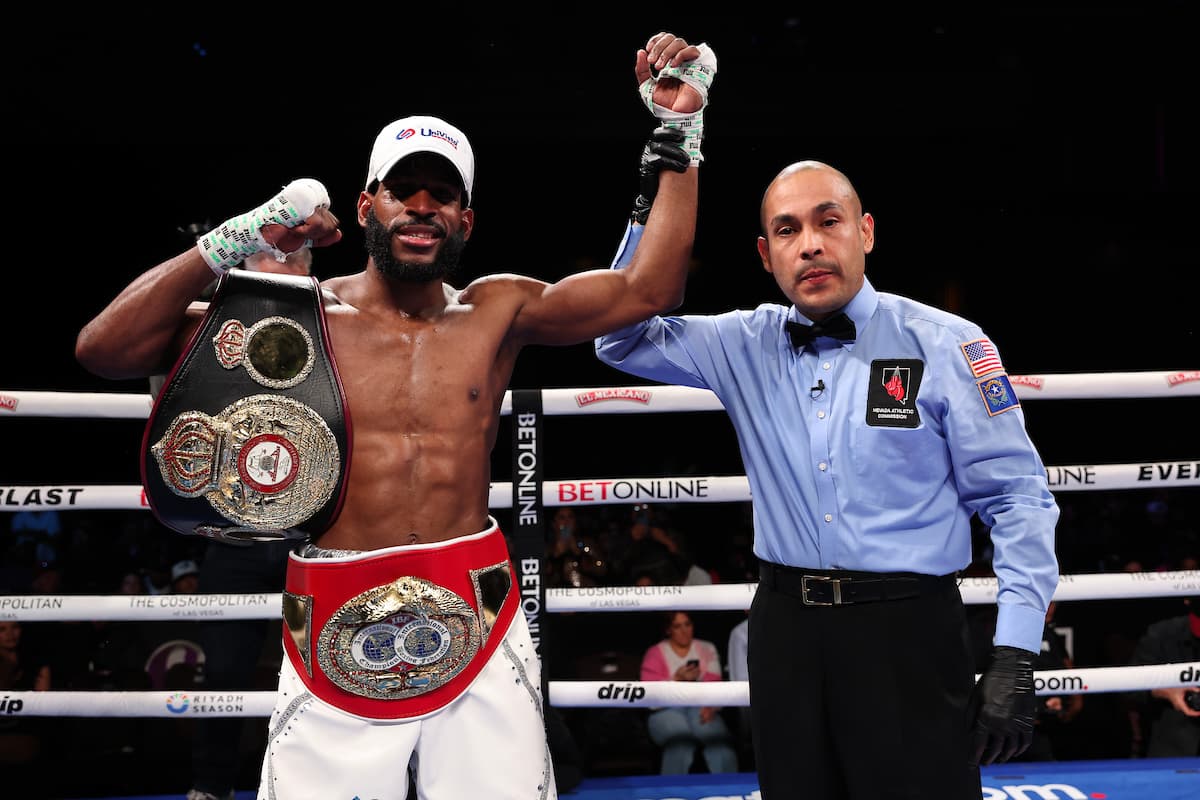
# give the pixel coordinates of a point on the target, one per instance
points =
(183, 569)
(410, 135)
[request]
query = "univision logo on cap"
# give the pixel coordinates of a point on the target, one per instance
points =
(408, 133)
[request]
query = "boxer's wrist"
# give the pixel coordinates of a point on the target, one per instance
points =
(698, 74)
(237, 238)
(692, 128)
(664, 150)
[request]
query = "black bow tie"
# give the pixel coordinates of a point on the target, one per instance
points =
(836, 327)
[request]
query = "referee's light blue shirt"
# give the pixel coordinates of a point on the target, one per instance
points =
(836, 483)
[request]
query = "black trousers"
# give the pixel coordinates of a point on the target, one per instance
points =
(861, 702)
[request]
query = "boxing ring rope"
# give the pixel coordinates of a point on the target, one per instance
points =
(642, 399)
(715, 597)
(611, 400)
(617, 491)
(565, 694)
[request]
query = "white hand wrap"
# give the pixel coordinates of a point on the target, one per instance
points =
(233, 240)
(697, 74)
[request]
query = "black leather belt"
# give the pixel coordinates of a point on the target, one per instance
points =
(250, 437)
(817, 587)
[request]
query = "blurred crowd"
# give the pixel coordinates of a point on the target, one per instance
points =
(47, 552)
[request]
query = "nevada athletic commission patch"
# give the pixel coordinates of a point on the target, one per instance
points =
(998, 395)
(892, 393)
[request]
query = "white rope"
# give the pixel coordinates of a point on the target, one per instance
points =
(563, 694)
(141, 607)
(75, 404)
(616, 491)
(647, 399)
(622, 694)
(714, 597)
(70, 498)
(140, 704)
(975, 591)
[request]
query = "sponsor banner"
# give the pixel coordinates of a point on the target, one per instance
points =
(207, 704)
(1034, 382)
(642, 694)
(618, 491)
(529, 526)
(141, 607)
(1097, 680)
(142, 704)
(628, 400)
(1123, 476)
(92, 405)
(630, 393)
(1180, 378)
(597, 491)
(93, 498)
(566, 694)
(1107, 385)
(662, 399)
(714, 597)
(610, 491)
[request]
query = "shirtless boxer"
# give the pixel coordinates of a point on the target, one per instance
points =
(424, 367)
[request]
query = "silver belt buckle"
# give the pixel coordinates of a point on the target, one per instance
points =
(399, 640)
(805, 589)
(265, 462)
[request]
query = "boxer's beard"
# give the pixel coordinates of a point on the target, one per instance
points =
(379, 248)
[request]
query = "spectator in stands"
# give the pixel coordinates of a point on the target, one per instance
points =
(679, 731)
(575, 558)
(22, 738)
(1054, 712)
(1168, 718)
(649, 549)
(740, 671)
(185, 577)
(37, 533)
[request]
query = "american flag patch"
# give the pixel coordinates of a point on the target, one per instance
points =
(982, 357)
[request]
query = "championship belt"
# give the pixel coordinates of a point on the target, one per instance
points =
(249, 439)
(401, 632)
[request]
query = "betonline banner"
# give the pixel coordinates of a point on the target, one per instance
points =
(528, 513)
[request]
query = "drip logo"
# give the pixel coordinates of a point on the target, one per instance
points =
(178, 703)
(628, 692)
(11, 705)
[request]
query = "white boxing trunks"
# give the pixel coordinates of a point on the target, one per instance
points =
(410, 654)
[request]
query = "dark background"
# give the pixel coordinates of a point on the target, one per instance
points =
(1025, 165)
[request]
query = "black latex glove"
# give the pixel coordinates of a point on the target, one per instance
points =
(661, 152)
(1002, 706)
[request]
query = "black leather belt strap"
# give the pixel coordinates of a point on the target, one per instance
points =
(817, 587)
(201, 386)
